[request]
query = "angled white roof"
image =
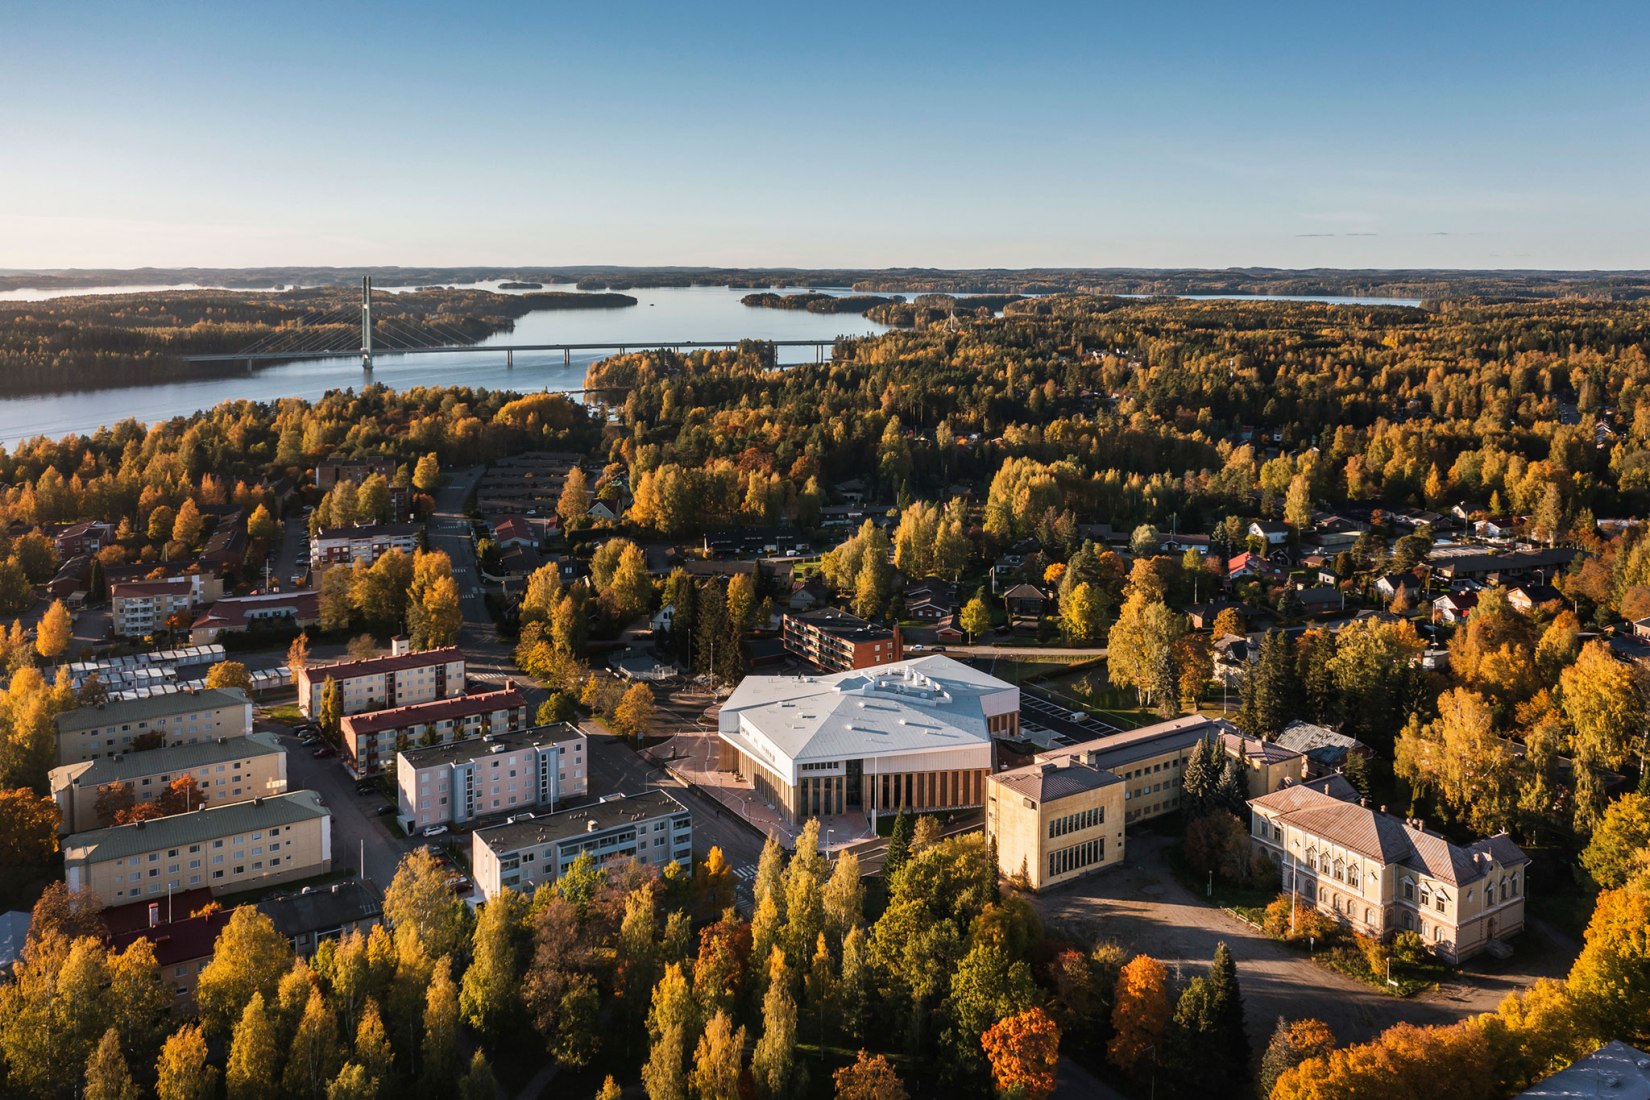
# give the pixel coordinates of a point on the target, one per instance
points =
(921, 705)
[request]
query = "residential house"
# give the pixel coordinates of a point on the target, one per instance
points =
(1275, 532)
(181, 930)
(144, 606)
(1321, 600)
(1527, 598)
(1389, 585)
(312, 916)
(331, 471)
(366, 543)
(1454, 608)
(267, 611)
(931, 600)
(85, 538)
(1024, 601)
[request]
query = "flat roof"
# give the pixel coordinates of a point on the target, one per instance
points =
(191, 828)
(1120, 749)
(436, 710)
(608, 814)
(321, 908)
(456, 752)
(841, 624)
(173, 758)
(147, 709)
(1055, 780)
(378, 666)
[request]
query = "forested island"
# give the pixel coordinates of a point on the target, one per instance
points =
(105, 341)
(818, 303)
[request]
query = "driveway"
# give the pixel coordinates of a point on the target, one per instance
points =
(1144, 908)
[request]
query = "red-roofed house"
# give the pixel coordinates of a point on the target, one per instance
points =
(237, 614)
(183, 943)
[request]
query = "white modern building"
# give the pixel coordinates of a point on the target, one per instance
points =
(651, 827)
(917, 734)
(456, 783)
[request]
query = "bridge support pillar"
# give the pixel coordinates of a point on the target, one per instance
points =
(509, 357)
(566, 357)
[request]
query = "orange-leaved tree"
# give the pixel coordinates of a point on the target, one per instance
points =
(1140, 1010)
(1024, 1050)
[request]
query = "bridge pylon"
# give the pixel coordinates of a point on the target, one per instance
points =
(366, 322)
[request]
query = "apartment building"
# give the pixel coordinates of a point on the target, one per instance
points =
(371, 740)
(1056, 821)
(652, 828)
(227, 769)
(836, 641)
(332, 471)
(918, 735)
(143, 607)
(1380, 875)
(177, 718)
(367, 543)
(379, 683)
(454, 784)
(226, 849)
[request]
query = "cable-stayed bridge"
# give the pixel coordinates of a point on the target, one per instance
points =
(331, 332)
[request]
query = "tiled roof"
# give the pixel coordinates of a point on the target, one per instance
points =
(462, 706)
(182, 940)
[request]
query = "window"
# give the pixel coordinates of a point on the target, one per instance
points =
(1409, 890)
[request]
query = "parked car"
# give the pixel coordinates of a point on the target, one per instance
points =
(432, 830)
(324, 751)
(366, 786)
(384, 811)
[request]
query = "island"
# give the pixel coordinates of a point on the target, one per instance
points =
(815, 302)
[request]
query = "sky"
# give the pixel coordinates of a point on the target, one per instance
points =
(1163, 134)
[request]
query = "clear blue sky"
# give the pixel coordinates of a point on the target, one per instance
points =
(1455, 133)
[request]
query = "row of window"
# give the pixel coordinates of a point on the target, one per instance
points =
(1072, 823)
(1077, 856)
(195, 880)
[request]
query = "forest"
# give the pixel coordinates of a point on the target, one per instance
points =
(818, 303)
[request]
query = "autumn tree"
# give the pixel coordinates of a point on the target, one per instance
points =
(248, 961)
(1620, 845)
(1024, 1050)
(182, 1070)
(439, 1066)
(1293, 1042)
(670, 1021)
(250, 1073)
(1606, 712)
(1139, 649)
(313, 1056)
(975, 618)
(489, 994)
(717, 1060)
(870, 1077)
(420, 904)
(574, 501)
(229, 674)
(634, 714)
(775, 1052)
(1140, 1010)
(54, 632)
(1460, 758)
(426, 476)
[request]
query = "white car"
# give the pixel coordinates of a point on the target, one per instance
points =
(432, 830)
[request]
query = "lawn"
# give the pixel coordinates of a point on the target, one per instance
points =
(287, 714)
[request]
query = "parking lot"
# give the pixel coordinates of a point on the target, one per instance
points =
(1055, 715)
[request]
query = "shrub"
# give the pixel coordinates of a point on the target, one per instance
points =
(1409, 949)
(1375, 953)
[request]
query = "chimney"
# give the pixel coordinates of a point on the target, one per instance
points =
(1383, 807)
(400, 646)
(591, 825)
(154, 914)
(1364, 802)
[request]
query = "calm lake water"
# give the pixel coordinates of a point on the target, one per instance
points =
(662, 317)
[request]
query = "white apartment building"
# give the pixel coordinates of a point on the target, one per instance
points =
(651, 827)
(177, 718)
(367, 543)
(455, 784)
(380, 683)
(142, 607)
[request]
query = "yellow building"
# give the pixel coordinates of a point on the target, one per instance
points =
(1267, 766)
(1379, 875)
(175, 718)
(226, 769)
(225, 849)
(1135, 775)
(1057, 821)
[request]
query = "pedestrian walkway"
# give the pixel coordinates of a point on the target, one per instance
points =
(693, 756)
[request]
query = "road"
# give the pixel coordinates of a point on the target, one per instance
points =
(487, 660)
(1141, 905)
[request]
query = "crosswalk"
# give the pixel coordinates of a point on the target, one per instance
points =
(745, 872)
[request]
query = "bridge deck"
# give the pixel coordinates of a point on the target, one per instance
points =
(639, 345)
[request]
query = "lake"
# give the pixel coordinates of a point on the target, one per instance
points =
(662, 317)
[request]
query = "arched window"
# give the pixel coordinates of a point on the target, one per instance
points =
(1514, 883)
(1489, 893)
(1352, 876)
(1335, 903)
(1369, 915)
(1340, 871)
(1322, 893)
(1312, 858)
(1409, 889)
(1409, 919)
